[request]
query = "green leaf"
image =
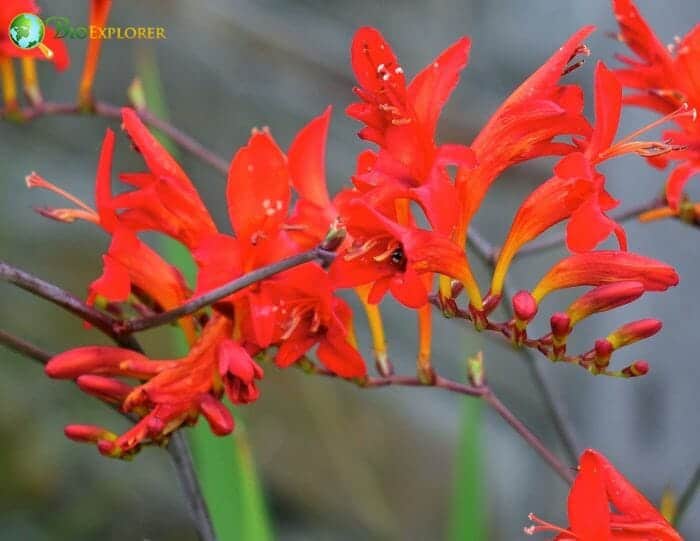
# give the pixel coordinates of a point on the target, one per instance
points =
(468, 509)
(225, 465)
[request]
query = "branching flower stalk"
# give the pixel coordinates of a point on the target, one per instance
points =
(266, 288)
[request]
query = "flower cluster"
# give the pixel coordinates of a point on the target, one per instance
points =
(400, 227)
(665, 80)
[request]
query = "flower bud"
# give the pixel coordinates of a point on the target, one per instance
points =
(637, 368)
(107, 389)
(525, 309)
(634, 331)
(217, 415)
(603, 298)
(475, 369)
(561, 327)
(603, 350)
(104, 360)
(88, 433)
(524, 306)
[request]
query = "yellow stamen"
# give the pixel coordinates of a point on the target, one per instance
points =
(31, 80)
(9, 84)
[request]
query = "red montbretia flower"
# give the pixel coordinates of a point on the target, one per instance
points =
(524, 127)
(666, 80)
(394, 257)
(402, 118)
(172, 392)
(597, 487)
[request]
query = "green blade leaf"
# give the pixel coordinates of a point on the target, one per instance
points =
(224, 465)
(468, 509)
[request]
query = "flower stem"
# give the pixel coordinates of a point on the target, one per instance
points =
(178, 445)
(221, 292)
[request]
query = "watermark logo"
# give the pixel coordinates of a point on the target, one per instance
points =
(27, 31)
(64, 29)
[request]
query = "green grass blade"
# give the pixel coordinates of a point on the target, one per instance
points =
(224, 465)
(468, 508)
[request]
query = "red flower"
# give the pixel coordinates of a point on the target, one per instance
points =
(164, 199)
(576, 192)
(395, 257)
(664, 80)
(130, 266)
(173, 392)
(524, 127)
(597, 486)
(402, 120)
(297, 310)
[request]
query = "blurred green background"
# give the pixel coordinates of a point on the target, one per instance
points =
(335, 462)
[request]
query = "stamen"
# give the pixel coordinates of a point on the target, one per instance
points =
(580, 50)
(544, 526)
(651, 148)
(34, 180)
(387, 253)
(362, 250)
(67, 215)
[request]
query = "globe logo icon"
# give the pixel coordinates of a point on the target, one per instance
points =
(27, 32)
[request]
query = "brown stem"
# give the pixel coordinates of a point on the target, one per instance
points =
(109, 110)
(557, 410)
(484, 392)
(23, 347)
(220, 292)
(177, 448)
(65, 300)
(533, 441)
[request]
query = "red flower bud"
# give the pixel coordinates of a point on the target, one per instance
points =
(107, 389)
(603, 351)
(104, 360)
(561, 327)
(88, 433)
(637, 368)
(524, 306)
(217, 415)
(603, 298)
(634, 331)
